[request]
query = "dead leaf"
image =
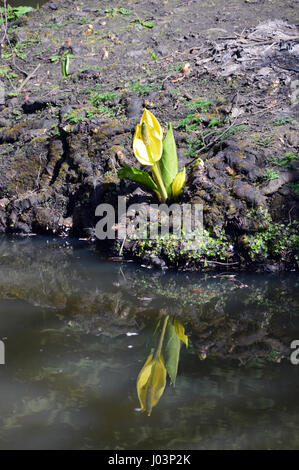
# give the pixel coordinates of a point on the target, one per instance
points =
(187, 68)
(105, 53)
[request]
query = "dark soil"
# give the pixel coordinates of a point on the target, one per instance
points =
(234, 116)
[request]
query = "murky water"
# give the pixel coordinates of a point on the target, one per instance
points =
(77, 331)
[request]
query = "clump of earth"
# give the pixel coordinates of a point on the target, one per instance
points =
(225, 76)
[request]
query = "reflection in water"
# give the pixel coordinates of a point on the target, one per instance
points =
(151, 380)
(77, 331)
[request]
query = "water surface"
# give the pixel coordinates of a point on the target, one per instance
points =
(77, 330)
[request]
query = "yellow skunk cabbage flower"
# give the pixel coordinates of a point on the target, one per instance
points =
(148, 140)
(149, 149)
(178, 183)
(151, 382)
(180, 331)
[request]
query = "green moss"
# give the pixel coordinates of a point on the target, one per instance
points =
(174, 248)
(144, 88)
(263, 141)
(110, 177)
(27, 169)
(278, 241)
(287, 160)
(294, 188)
(281, 121)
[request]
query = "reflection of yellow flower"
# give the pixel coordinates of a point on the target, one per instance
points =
(151, 382)
(148, 140)
(180, 331)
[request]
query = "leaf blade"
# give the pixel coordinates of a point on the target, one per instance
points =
(169, 160)
(138, 176)
(172, 351)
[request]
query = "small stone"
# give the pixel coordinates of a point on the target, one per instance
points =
(293, 139)
(4, 122)
(157, 262)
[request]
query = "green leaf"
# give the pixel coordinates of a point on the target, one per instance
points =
(15, 13)
(125, 11)
(22, 10)
(138, 176)
(172, 351)
(65, 62)
(169, 160)
(178, 183)
(147, 24)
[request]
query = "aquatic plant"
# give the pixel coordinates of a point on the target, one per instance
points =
(151, 379)
(150, 150)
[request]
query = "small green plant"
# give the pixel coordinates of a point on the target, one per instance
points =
(193, 118)
(14, 13)
(152, 54)
(143, 88)
(150, 149)
(143, 23)
(264, 141)
(176, 67)
(201, 105)
(190, 122)
(277, 241)
(84, 20)
(288, 160)
(103, 102)
(193, 146)
(90, 114)
(117, 11)
(294, 187)
(271, 174)
(233, 130)
(97, 98)
(214, 122)
(4, 72)
(171, 247)
(18, 49)
(55, 58)
(140, 88)
(17, 114)
(281, 121)
(73, 117)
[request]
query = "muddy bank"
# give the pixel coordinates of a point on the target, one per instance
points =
(234, 115)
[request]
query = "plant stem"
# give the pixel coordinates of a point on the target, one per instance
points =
(156, 172)
(158, 179)
(161, 339)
